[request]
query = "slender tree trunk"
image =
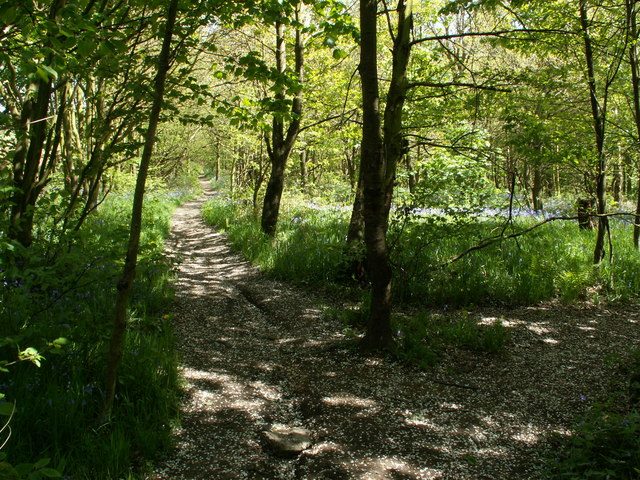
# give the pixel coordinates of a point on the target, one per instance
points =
(129, 270)
(282, 145)
(218, 160)
(380, 157)
(636, 222)
(632, 27)
(303, 168)
(536, 188)
(356, 223)
(599, 117)
(373, 167)
(411, 180)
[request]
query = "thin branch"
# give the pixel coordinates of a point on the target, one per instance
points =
(324, 120)
(458, 84)
(496, 239)
(496, 33)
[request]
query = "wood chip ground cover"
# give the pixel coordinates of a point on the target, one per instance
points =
(257, 353)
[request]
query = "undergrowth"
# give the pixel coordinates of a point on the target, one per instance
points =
(553, 261)
(70, 298)
(421, 338)
(606, 441)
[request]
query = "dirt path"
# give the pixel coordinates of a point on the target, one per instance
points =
(256, 353)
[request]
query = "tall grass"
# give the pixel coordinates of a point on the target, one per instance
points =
(57, 404)
(308, 247)
(553, 261)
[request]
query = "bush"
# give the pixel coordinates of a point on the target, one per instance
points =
(605, 445)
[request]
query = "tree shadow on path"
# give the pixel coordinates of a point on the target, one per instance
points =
(257, 353)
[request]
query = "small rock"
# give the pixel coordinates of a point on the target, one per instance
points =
(287, 441)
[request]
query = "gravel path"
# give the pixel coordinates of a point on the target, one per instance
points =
(258, 353)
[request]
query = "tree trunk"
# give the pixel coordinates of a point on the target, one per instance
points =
(281, 147)
(356, 223)
(303, 168)
(129, 270)
(599, 118)
(632, 27)
(380, 157)
(616, 181)
(373, 167)
(636, 220)
(536, 188)
(218, 160)
(29, 176)
(27, 164)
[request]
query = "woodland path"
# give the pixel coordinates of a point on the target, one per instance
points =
(257, 352)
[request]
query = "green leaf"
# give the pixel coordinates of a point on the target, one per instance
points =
(42, 462)
(86, 47)
(45, 72)
(23, 469)
(6, 409)
(50, 473)
(8, 14)
(42, 74)
(339, 54)
(59, 342)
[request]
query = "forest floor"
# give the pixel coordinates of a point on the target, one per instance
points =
(258, 353)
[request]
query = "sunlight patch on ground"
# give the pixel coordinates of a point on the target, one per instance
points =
(510, 323)
(529, 434)
(377, 468)
(226, 392)
(539, 329)
(349, 401)
(586, 329)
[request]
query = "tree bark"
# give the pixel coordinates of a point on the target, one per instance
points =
(29, 175)
(380, 157)
(536, 187)
(218, 160)
(355, 231)
(632, 27)
(599, 117)
(281, 144)
(373, 165)
(129, 270)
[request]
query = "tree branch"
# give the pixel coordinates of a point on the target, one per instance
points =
(497, 33)
(458, 84)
